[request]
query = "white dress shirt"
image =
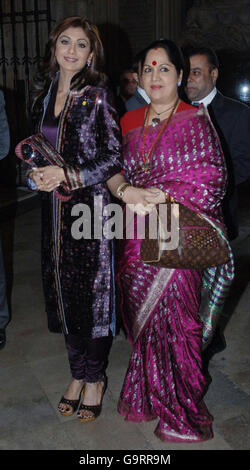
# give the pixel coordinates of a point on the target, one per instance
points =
(207, 100)
(143, 94)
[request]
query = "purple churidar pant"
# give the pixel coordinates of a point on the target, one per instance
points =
(88, 357)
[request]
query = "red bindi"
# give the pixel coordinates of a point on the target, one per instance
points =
(154, 62)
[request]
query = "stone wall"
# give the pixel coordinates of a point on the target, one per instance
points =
(126, 26)
(223, 24)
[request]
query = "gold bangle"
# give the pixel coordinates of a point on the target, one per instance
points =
(121, 190)
(168, 197)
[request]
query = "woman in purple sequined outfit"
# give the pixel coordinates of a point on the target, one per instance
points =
(171, 148)
(77, 116)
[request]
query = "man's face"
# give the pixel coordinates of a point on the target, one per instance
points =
(128, 84)
(202, 78)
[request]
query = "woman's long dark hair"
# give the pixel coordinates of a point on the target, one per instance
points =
(92, 75)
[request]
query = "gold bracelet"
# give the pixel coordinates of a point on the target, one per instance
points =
(121, 190)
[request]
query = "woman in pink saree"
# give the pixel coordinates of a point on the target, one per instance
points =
(169, 149)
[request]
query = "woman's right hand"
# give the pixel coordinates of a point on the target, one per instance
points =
(47, 178)
(137, 198)
(37, 178)
(133, 195)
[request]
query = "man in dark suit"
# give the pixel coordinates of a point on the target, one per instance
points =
(4, 149)
(231, 119)
(140, 97)
(137, 100)
(127, 88)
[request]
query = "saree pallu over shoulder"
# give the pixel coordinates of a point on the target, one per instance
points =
(187, 161)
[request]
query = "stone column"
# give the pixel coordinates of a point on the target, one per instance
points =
(169, 17)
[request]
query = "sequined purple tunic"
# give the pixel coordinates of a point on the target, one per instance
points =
(78, 273)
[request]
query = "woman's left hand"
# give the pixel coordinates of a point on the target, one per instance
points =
(50, 177)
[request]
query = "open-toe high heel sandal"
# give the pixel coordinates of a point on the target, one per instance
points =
(72, 403)
(94, 409)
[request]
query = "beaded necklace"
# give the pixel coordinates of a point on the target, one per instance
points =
(156, 121)
(147, 158)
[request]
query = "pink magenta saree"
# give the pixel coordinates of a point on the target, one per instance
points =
(162, 307)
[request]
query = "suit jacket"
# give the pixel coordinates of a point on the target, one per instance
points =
(120, 106)
(4, 129)
(231, 119)
(136, 101)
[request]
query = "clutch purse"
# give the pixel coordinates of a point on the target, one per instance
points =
(192, 242)
(37, 151)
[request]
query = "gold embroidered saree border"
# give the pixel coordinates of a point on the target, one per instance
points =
(156, 291)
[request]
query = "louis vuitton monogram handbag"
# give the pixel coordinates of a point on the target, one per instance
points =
(193, 242)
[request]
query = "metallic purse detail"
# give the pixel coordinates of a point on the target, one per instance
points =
(37, 151)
